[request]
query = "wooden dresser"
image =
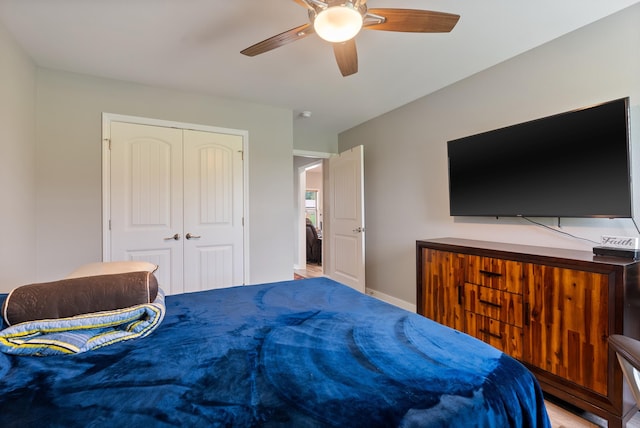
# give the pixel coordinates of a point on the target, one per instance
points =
(552, 309)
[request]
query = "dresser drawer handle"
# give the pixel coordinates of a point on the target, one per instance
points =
(488, 333)
(489, 273)
(486, 302)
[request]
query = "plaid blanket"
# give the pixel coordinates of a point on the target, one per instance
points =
(82, 333)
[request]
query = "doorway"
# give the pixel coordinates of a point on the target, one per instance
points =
(342, 219)
(309, 215)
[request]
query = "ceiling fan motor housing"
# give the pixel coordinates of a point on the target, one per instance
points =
(319, 6)
(338, 22)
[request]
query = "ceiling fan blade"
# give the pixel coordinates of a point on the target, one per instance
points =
(347, 57)
(413, 20)
(279, 40)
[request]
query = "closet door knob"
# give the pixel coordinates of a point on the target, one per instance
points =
(190, 236)
(174, 237)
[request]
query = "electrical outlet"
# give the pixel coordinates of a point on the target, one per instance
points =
(628, 242)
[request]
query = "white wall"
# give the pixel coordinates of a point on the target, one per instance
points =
(305, 138)
(406, 183)
(17, 165)
(69, 113)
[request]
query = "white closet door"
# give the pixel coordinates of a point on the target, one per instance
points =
(147, 200)
(213, 189)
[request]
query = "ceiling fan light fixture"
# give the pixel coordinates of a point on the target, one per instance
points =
(337, 24)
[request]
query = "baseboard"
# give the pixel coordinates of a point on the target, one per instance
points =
(392, 300)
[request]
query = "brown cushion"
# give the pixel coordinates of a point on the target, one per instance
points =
(75, 296)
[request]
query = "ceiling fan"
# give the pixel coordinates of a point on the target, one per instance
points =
(339, 21)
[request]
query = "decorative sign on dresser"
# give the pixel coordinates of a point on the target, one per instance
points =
(552, 309)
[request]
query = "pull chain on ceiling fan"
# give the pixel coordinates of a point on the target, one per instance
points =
(339, 21)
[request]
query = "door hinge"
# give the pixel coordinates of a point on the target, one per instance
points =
(241, 154)
(242, 221)
(109, 224)
(108, 140)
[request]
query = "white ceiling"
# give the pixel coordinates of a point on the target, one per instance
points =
(195, 45)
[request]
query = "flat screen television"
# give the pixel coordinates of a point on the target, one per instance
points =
(573, 164)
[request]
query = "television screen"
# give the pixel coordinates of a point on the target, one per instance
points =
(573, 164)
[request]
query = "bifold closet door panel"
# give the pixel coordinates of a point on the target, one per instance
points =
(213, 210)
(147, 199)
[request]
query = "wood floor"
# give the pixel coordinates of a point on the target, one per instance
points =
(311, 271)
(567, 416)
(561, 414)
(562, 418)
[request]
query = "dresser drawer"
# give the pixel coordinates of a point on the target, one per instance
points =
(500, 274)
(507, 338)
(498, 305)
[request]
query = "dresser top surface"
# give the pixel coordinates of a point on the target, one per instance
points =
(503, 249)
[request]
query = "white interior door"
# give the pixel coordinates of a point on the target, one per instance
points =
(213, 246)
(146, 199)
(176, 200)
(346, 217)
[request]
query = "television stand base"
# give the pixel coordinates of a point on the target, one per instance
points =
(617, 252)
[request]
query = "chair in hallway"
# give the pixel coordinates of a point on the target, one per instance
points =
(314, 244)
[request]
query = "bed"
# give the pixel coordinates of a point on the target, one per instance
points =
(305, 353)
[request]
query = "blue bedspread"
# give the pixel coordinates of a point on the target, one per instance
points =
(309, 353)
